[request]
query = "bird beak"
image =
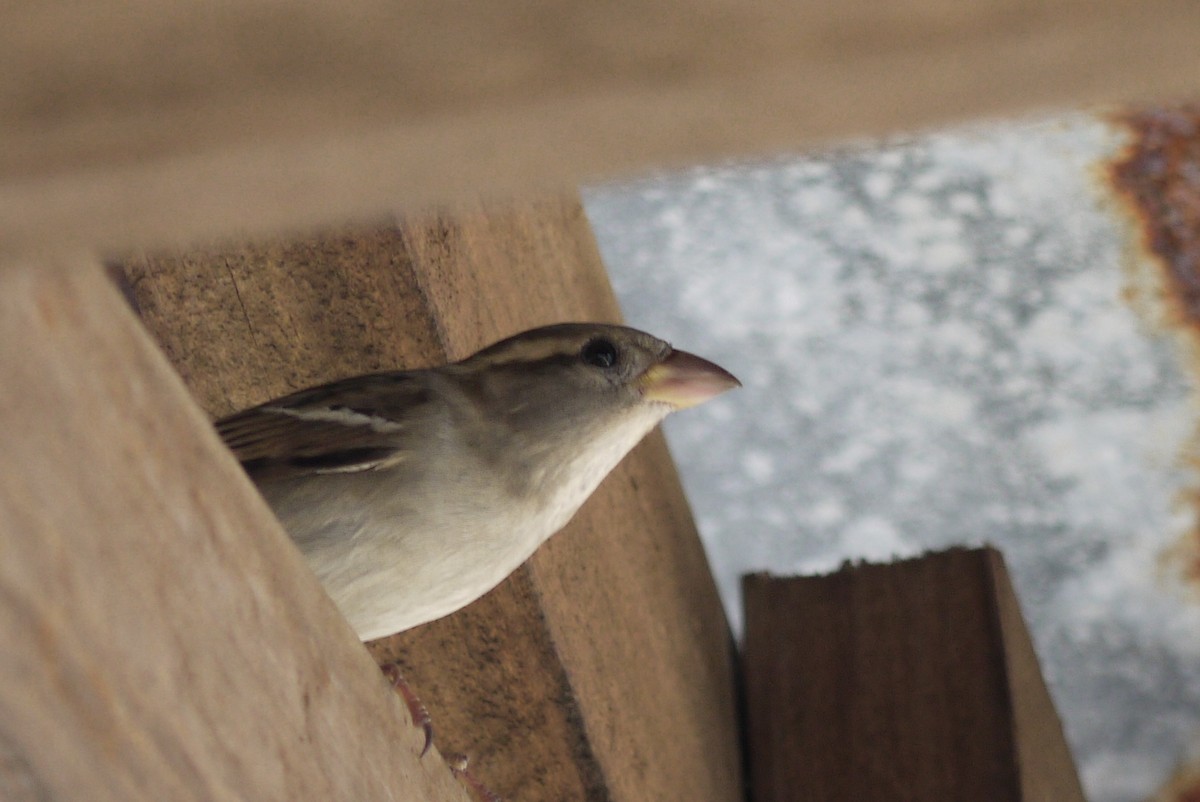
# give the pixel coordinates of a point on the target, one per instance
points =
(685, 380)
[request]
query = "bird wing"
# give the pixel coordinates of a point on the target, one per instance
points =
(357, 424)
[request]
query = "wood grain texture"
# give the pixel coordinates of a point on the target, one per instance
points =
(601, 670)
(911, 681)
(162, 638)
(133, 124)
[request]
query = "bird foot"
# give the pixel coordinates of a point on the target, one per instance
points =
(416, 708)
(421, 718)
(458, 765)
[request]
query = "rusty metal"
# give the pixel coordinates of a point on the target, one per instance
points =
(1158, 175)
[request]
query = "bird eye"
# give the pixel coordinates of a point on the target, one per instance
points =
(599, 352)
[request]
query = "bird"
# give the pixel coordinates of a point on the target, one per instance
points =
(412, 493)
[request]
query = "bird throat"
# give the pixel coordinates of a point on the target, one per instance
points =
(572, 475)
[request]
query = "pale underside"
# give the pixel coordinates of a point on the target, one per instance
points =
(397, 554)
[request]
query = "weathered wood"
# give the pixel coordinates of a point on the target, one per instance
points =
(602, 670)
(131, 125)
(913, 681)
(162, 638)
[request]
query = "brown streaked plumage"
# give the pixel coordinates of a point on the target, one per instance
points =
(415, 492)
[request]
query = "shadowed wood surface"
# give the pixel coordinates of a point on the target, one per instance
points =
(132, 124)
(602, 670)
(162, 638)
(910, 681)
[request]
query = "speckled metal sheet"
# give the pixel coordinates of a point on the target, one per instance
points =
(963, 337)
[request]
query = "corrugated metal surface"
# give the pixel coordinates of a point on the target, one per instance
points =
(958, 338)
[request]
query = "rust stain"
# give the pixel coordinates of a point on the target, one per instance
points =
(1158, 175)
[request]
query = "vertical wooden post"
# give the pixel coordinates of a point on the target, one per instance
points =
(911, 681)
(162, 640)
(602, 670)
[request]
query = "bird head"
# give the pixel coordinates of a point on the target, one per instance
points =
(572, 399)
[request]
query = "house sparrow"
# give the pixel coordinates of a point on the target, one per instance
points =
(413, 493)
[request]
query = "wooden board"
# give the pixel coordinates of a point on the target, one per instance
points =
(603, 670)
(913, 681)
(162, 638)
(129, 125)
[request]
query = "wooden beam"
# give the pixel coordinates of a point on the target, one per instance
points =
(168, 122)
(602, 670)
(162, 638)
(915, 680)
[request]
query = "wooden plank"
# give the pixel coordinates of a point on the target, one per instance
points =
(602, 670)
(162, 638)
(914, 681)
(164, 122)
